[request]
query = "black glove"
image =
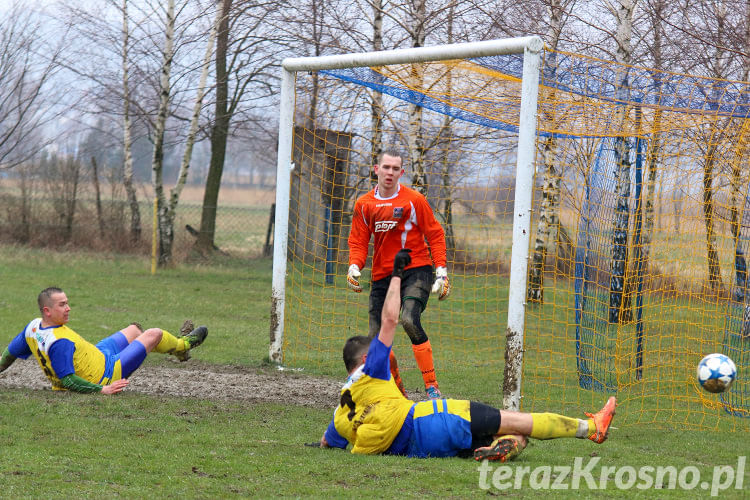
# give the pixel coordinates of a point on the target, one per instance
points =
(402, 260)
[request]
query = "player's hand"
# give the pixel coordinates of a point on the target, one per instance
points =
(401, 260)
(352, 278)
(115, 387)
(441, 286)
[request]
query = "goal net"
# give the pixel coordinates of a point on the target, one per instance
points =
(633, 259)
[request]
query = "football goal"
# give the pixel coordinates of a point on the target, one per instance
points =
(595, 216)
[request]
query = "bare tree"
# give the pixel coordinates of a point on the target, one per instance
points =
(619, 306)
(550, 204)
(376, 106)
(127, 144)
(27, 68)
(243, 76)
(166, 229)
(167, 208)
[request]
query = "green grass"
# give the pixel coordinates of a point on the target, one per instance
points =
(136, 446)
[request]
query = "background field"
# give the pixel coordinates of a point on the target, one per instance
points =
(139, 444)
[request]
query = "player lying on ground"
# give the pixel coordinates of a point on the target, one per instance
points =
(399, 217)
(376, 418)
(70, 362)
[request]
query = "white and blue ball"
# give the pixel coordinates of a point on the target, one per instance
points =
(716, 372)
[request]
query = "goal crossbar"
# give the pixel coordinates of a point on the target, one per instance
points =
(414, 55)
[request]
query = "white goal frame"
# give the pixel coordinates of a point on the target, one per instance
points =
(531, 48)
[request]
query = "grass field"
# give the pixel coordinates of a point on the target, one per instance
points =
(136, 445)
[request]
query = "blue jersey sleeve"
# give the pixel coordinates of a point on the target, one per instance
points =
(61, 356)
(333, 437)
(18, 347)
(378, 364)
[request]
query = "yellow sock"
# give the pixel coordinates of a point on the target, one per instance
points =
(169, 343)
(552, 425)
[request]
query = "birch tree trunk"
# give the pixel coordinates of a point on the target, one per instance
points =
(190, 140)
(127, 146)
(317, 18)
(376, 123)
(447, 131)
(416, 134)
(548, 212)
(619, 307)
(166, 229)
(654, 152)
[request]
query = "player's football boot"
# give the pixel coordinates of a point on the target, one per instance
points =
(433, 392)
(185, 329)
(196, 337)
(503, 448)
(193, 337)
(602, 419)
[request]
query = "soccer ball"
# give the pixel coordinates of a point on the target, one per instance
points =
(716, 372)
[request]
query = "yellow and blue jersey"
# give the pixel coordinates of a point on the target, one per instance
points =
(372, 409)
(60, 352)
(375, 417)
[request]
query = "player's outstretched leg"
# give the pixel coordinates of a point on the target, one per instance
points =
(553, 425)
(180, 346)
(547, 426)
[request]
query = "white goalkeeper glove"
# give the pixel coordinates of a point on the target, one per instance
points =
(441, 286)
(352, 278)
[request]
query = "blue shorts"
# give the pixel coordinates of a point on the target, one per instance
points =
(120, 358)
(441, 428)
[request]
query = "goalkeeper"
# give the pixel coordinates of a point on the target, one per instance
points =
(375, 417)
(72, 363)
(399, 217)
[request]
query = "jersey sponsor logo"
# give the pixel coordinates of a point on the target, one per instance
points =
(398, 212)
(383, 205)
(385, 225)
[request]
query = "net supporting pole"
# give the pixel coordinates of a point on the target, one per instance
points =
(284, 168)
(521, 226)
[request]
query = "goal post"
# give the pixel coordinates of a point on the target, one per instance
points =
(530, 48)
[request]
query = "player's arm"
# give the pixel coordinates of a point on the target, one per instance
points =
(6, 360)
(74, 383)
(18, 348)
(332, 439)
(392, 305)
(359, 239)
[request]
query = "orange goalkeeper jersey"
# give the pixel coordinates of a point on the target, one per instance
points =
(402, 221)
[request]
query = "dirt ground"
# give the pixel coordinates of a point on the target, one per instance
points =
(214, 382)
(196, 380)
